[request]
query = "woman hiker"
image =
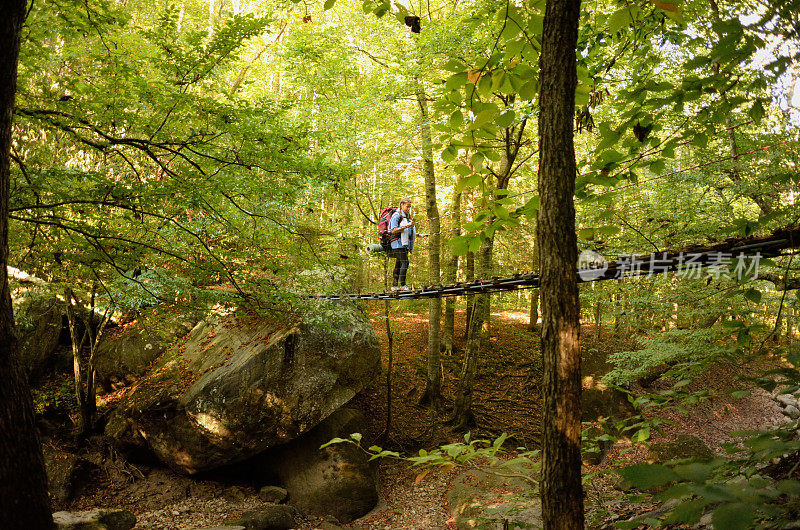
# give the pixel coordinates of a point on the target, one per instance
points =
(401, 223)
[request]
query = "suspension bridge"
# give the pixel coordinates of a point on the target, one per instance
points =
(715, 255)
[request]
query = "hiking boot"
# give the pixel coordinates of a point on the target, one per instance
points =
(405, 288)
(395, 288)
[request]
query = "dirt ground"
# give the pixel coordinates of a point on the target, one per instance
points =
(506, 399)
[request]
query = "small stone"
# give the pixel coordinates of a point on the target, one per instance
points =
(272, 494)
(787, 400)
(175, 512)
(268, 517)
(99, 518)
(620, 484)
(792, 411)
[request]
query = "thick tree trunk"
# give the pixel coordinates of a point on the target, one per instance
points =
(23, 482)
(562, 494)
(450, 271)
(534, 316)
(469, 276)
(433, 384)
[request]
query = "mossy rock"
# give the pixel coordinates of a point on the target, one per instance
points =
(484, 499)
(686, 446)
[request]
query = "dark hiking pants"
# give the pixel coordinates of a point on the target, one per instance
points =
(400, 266)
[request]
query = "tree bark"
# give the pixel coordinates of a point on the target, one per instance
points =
(533, 320)
(450, 271)
(562, 494)
(433, 384)
(23, 482)
(469, 276)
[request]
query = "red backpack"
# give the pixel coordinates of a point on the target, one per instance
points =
(383, 228)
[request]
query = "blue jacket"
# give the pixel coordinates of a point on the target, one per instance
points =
(412, 232)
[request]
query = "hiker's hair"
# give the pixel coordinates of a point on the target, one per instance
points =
(405, 201)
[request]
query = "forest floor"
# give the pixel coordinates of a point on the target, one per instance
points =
(506, 399)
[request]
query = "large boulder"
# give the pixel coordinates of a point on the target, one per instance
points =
(335, 481)
(241, 383)
(126, 352)
(39, 318)
(493, 498)
(67, 474)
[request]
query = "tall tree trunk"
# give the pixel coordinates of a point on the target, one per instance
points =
(463, 417)
(469, 277)
(450, 271)
(433, 384)
(23, 482)
(534, 316)
(77, 346)
(562, 494)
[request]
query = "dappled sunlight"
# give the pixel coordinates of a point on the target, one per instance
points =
(210, 424)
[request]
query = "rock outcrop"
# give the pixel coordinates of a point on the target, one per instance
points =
(242, 383)
(39, 319)
(335, 481)
(124, 355)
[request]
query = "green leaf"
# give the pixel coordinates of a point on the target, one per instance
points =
(475, 244)
(449, 154)
(529, 90)
(622, 18)
(696, 472)
(456, 81)
(687, 512)
(657, 166)
(498, 78)
(485, 84)
(756, 112)
(608, 230)
(456, 119)
(754, 295)
(454, 66)
(329, 4)
(792, 487)
(641, 435)
(700, 140)
(477, 160)
(382, 9)
(645, 476)
(463, 170)
(734, 516)
(334, 441)
(514, 47)
(483, 118)
(582, 95)
(505, 118)
(356, 436)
